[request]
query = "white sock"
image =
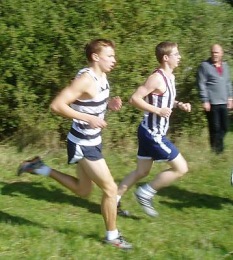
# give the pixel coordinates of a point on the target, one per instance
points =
(43, 170)
(112, 234)
(118, 198)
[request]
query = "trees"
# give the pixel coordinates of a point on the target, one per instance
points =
(41, 47)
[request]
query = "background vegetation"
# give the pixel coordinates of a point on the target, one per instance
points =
(41, 47)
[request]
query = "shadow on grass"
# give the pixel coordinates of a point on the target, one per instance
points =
(36, 191)
(189, 199)
(16, 220)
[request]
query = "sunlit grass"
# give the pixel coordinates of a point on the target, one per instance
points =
(39, 219)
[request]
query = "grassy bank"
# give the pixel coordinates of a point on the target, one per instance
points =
(39, 219)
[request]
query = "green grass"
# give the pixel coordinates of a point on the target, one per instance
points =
(39, 219)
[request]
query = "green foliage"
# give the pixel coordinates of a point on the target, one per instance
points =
(41, 49)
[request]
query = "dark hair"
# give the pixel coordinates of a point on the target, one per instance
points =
(164, 48)
(95, 46)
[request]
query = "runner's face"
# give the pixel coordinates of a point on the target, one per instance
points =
(107, 59)
(174, 57)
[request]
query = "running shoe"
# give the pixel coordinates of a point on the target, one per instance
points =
(121, 212)
(232, 177)
(30, 166)
(119, 242)
(146, 205)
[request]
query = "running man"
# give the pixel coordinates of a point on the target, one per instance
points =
(85, 101)
(156, 97)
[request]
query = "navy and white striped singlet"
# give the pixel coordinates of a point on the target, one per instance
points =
(81, 133)
(152, 122)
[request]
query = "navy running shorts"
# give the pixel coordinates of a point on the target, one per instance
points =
(77, 152)
(155, 147)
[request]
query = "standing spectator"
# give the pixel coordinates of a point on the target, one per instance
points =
(156, 97)
(85, 101)
(215, 91)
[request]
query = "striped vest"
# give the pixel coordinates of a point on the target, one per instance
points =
(153, 123)
(81, 133)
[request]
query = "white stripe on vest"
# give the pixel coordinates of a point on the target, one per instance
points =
(152, 122)
(81, 133)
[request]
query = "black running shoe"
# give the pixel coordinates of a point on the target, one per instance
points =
(30, 166)
(146, 205)
(121, 212)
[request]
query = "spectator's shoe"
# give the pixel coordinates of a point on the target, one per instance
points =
(121, 212)
(119, 242)
(232, 177)
(146, 205)
(30, 166)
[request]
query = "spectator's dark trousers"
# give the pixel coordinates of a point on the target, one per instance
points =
(218, 125)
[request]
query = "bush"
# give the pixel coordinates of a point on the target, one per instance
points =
(41, 48)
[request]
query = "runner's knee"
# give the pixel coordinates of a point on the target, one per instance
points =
(141, 174)
(110, 190)
(183, 170)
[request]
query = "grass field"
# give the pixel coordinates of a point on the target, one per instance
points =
(39, 219)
